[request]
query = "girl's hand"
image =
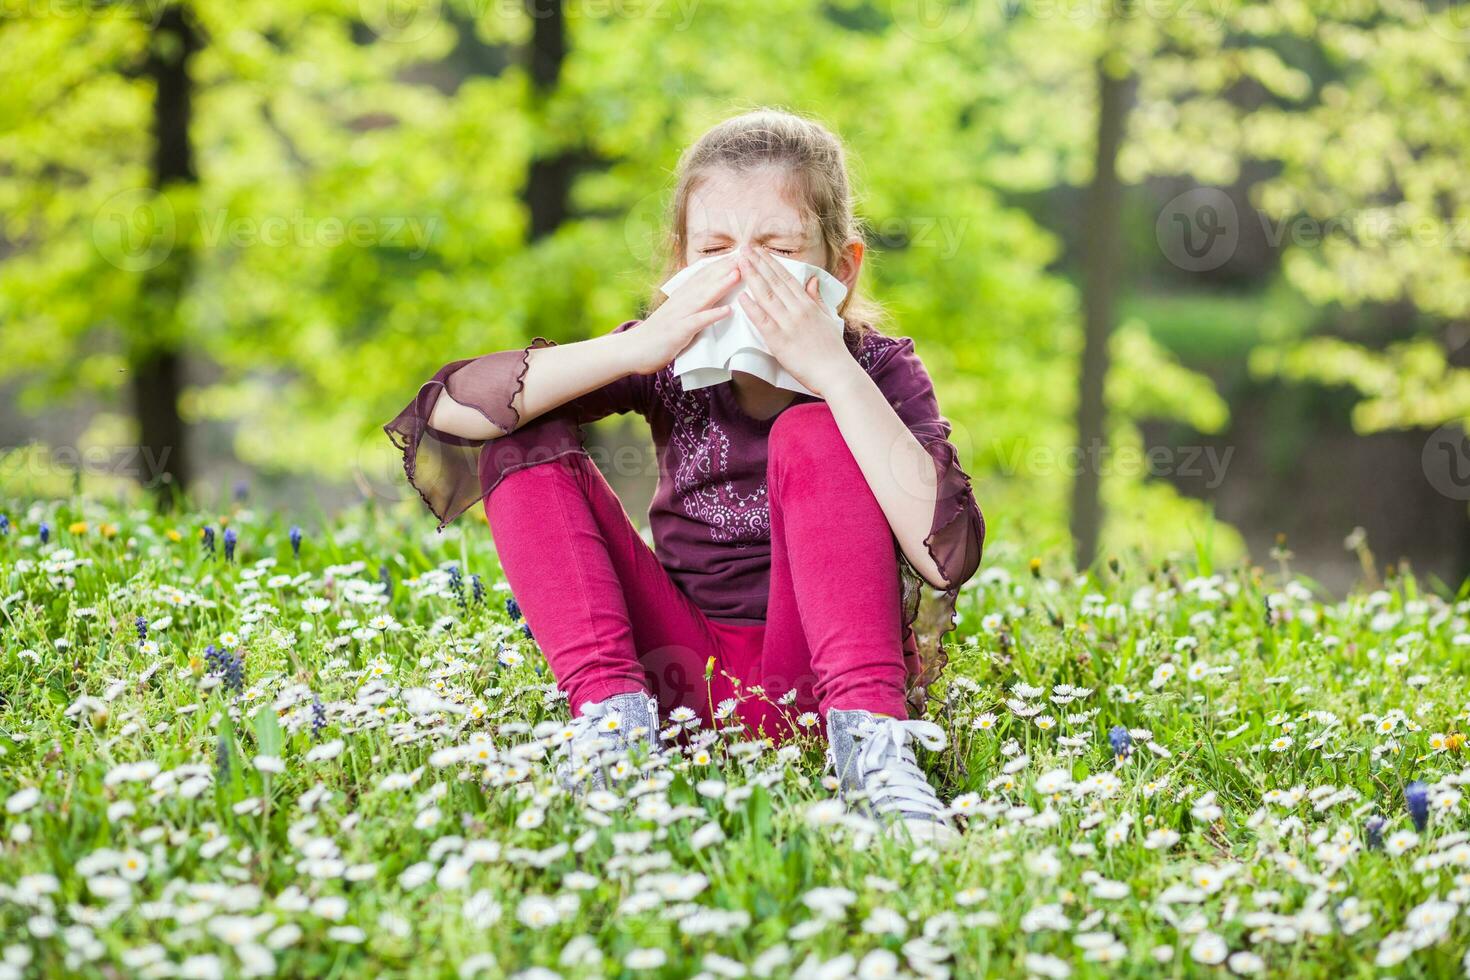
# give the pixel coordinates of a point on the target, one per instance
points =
(794, 323)
(659, 339)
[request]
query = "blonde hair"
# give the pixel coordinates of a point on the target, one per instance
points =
(817, 181)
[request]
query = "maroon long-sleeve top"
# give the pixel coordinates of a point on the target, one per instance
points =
(709, 515)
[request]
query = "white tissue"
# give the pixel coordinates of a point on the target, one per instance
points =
(734, 343)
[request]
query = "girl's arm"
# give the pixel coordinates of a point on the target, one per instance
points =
(554, 375)
(889, 419)
(899, 470)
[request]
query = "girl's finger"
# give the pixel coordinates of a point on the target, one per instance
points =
(814, 288)
(696, 322)
(761, 284)
(704, 290)
(758, 314)
(788, 287)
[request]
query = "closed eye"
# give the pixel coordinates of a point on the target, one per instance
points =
(716, 249)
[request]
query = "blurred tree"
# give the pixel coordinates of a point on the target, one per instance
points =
(1102, 269)
(1119, 95)
(155, 352)
(382, 188)
(1372, 207)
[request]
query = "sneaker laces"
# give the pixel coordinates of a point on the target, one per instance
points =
(888, 770)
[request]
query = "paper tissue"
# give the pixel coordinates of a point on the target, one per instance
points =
(734, 343)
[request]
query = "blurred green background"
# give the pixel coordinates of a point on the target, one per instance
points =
(1227, 243)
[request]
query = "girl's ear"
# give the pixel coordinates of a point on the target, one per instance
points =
(850, 263)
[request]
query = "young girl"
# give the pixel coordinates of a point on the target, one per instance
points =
(789, 530)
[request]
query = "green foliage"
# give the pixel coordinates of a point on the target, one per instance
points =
(358, 219)
(1371, 202)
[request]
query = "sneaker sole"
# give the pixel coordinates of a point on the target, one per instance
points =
(930, 832)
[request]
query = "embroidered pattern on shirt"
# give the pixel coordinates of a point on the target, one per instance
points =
(701, 483)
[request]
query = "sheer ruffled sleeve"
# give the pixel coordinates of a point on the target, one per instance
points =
(957, 532)
(452, 474)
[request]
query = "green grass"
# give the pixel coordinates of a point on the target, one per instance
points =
(160, 823)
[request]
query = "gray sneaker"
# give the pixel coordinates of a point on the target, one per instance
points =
(605, 730)
(877, 772)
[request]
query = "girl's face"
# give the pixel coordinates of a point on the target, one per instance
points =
(729, 211)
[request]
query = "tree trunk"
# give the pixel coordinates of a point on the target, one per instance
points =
(549, 178)
(1102, 266)
(156, 355)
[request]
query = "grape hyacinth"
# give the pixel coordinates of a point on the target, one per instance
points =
(230, 538)
(45, 531)
(477, 589)
(386, 578)
(456, 582)
(207, 534)
(513, 609)
(241, 490)
(1121, 741)
(1374, 828)
(229, 665)
(221, 760)
(235, 673)
(295, 541)
(1416, 795)
(4, 524)
(318, 717)
(142, 625)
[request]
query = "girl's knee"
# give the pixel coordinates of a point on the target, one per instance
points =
(805, 430)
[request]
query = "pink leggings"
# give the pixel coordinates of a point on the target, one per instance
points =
(610, 620)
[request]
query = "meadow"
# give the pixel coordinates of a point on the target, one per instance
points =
(233, 747)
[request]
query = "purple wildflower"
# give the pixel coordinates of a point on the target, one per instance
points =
(1121, 741)
(1374, 828)
(1416, 795)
